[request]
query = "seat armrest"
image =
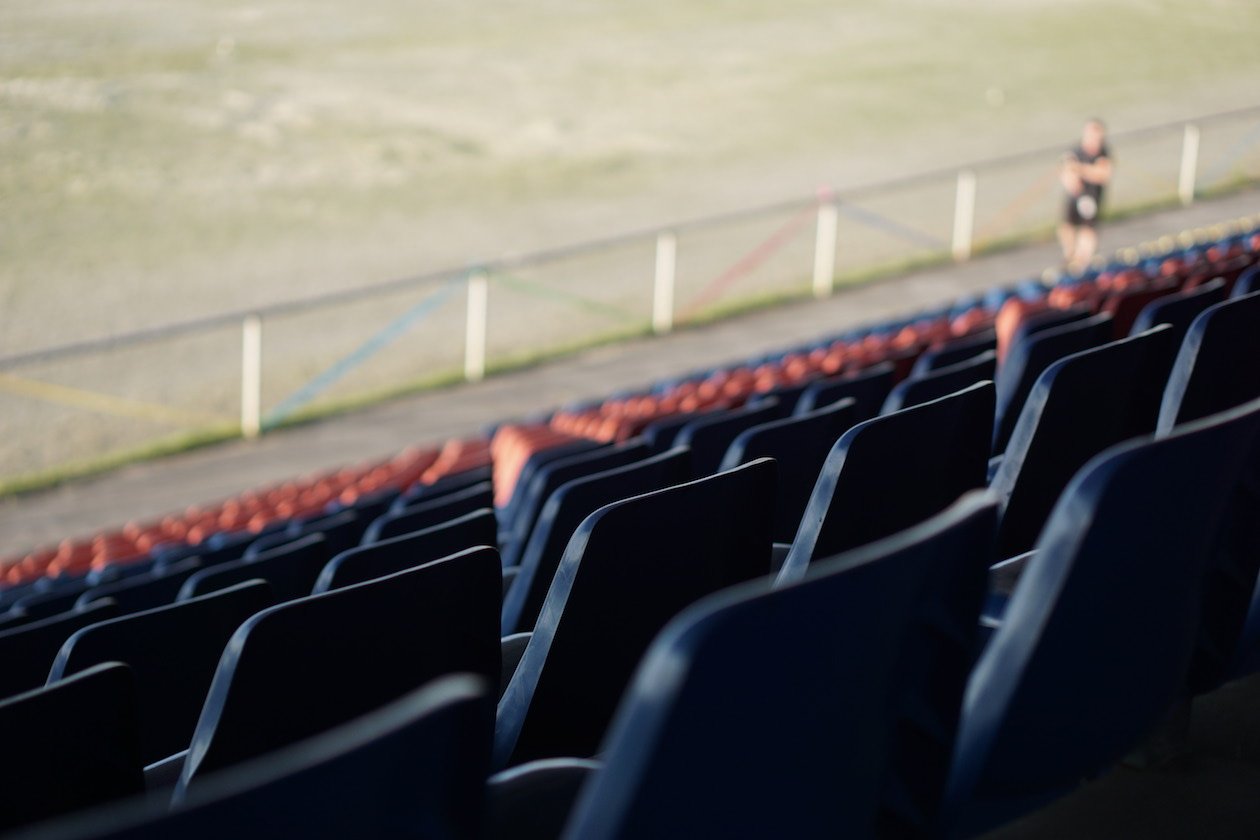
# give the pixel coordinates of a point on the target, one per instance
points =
(533, 801)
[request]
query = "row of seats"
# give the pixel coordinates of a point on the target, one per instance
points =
(929, 619)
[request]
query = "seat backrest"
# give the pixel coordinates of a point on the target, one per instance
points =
(28, 651)
(1125, 305)
(426, 514)
(957, 350)
(416, 767)
(1215, 368)
(69, 746)
(144, 592)
(880, 641)
(564, 512)
(709, 436)
(290, 569)
(941, 382)
(445, 485)
(1030, 356)
(1096, 639)
(308, 665)
(340, 531)
(1079, 406)
(868, 389)
(172, 653)
(799, 446)
(40, 605)
(1180, 309)
(551, 476)
(892, 472)
(630, 567)
(1248, 281)
(537, 460)
(395, 554)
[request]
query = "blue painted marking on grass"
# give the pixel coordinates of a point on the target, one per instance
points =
(888, 225)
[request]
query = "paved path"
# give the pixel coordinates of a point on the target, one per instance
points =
(148, 489)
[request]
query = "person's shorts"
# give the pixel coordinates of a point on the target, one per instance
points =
(1081, 211)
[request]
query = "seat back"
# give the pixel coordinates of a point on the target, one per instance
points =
(308, 665)
(941, 382)
(1032, 355)
(396, 554)
(28, 651)
(1124, 306)
(892, 472)
(879, 639)
(957, 350)
(426, 514)
(560, 518)
(709, 436)
(1080, 405)
(1215, 367)
(1179, 310)
(341, 531)
(867, 389)
(1095, 642)
(290, 569)
(144, 592)
(799, 446)
(69, 746)
(630, 567)
(172, 653)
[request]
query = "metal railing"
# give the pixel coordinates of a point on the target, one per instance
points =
(697, 269)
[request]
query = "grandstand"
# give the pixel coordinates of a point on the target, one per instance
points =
(936, 576)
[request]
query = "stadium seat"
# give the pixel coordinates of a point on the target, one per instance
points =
(540, 459)
(38, 605)
(172, 653)
(311, 664)
(28, 651)
(867, 389)
(941, 382)
(549, 477)
(290, 569)
(396, 554)
(1079, 406)
(799, 446)
(444, 486)
(414, 768)
(892, 472)
(1215, 367)
(341, 531)
(630, 567)
(1029, 356)
(1248, 282)
(1093, 647)
(1125, 305)
(955, 351)
(426, 514)
(69, 746)
(568, 506)
(1180, 309)
(712, 738)
(709, 436)
(144, 592)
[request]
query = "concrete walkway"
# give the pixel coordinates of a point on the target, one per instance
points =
(146, 490)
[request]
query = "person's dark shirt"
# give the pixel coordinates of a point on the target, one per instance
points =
(1093, 190)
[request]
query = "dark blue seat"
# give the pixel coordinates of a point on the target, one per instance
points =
(629, 568)
(1093, 647)
(341, 531)
(661, 434)
(1080, 405)
(1215, 368)
(549, 477)
(540, 459)
(564, 512)
(218, 548)
(1048, 319)
(941, 382)
(308, 665)
(369, 506)
(386, 557)
(799, 446)
(290, 569)
(144, 592)
(172, 653)
(27, 652)
(868, 390)
(444, 486)
(1126, 305)
(892, 472)
(709, 436)
(1028, 357)
(712, 738)
(1248, 281)
(958, 350)
(69, 746)
(415, 767)
(426, 514)
(786, 396)
(38, 605)
(1179, 310)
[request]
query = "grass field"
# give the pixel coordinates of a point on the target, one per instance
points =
(164, 160)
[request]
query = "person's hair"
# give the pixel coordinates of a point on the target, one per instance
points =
(1096, 121)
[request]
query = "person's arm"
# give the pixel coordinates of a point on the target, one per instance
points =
(1098, 172)
(1070, 174)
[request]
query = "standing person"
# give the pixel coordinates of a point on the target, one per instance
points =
(1086, 170)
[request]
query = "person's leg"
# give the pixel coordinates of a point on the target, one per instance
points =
(1086, 245)
(1067, 241)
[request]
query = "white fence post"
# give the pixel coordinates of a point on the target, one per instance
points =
(251, 377)
(475, 331)
(825, 244)
(663, 286)
(964, 214)
(1189, 164)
